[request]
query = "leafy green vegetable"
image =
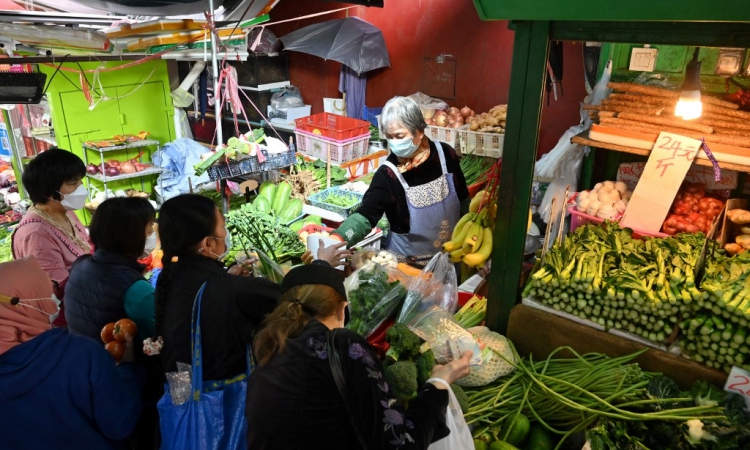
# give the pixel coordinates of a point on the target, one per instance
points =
(6, 252)
(251, 228)
(665, 388)
(706, 394)
(373, 300)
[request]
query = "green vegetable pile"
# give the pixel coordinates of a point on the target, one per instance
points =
(604, 275)
(339, 198)
(569, 395)
(475, 168)
(339, 176)
(373, 300)
(717, 333)
(6, 252)
(251, 228)
(730, 432)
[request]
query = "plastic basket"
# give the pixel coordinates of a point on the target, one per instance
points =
(481, 144)
(333, 126)
(372, 240)
(341, 151)
(578, 219)
(371, 115)
(443, 134)
(319, 200)
(244, 166)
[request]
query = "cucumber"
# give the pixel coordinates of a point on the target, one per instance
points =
(262, 204)
(291, 210)
(517, 429)
(281, 196)
(480, 444)
(267, 190)
(297, 226)
(313, 220)
(501, 445)
(539, 439)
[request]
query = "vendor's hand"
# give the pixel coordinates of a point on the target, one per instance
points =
(129, 354)
(307, 257)
(239, 269)
(452, 371)
(335, 255)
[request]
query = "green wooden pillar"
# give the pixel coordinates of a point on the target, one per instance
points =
(530, 47)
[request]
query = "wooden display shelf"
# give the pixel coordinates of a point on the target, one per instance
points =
(583, 139)
(539, 333)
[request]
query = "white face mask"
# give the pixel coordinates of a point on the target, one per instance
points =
(227, 243)
(27, 302)
(76, 199)
(150, 244)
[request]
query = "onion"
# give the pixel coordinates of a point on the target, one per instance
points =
(440, 113)
(472, 113)
(441, 120)
(430, 122)
(465, 111)
(127, 167)
(455, 125)
(92, 169)
(453, 111)
(112, 171)
(460, 120)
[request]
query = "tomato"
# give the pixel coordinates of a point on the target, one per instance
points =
(116, 349)
(122, 327)
(106, 333)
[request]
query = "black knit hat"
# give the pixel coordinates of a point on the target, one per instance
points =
(315, 274)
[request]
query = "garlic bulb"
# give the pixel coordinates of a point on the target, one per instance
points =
(621, 187)
(583, 205)
(597, 186)
(594, 196)
(620, 206)
(582, 195)
(593, 208)
(605, 212)
(609, 184)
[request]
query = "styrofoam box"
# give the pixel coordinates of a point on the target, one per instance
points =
(292, 114)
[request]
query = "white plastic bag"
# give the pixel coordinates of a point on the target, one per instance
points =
(460, 436)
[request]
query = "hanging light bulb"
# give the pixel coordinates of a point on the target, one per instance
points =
(689, 106)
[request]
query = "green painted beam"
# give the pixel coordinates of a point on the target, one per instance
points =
(704, 33)
(530, 48)
(630, 10)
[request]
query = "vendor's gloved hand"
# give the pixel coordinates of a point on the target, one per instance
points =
(335, 255)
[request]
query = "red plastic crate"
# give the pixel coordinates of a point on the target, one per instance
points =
(333, 126)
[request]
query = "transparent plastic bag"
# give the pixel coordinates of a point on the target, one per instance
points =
(447, 339)
(387, 259)
(373, 298)
(288, 97)
(435, 286)
(493, 365)
(426, 102)
(180, 383)
(266, 267)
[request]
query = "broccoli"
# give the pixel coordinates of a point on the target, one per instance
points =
(404, 344)
(401, 377)
(461, 396)
(425, 363)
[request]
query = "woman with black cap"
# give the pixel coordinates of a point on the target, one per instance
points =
(319, 385)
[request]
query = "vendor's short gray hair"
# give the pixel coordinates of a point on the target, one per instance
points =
(402, 112)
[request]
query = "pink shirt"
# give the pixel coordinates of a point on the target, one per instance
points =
(53, 249)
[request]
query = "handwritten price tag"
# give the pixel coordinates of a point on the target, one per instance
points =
(670, 159)
(739, 383)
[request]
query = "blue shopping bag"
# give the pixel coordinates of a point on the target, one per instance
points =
(214, 417)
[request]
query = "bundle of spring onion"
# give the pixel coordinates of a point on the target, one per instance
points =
(604, 275)
(717, 333)
(472, 314)
(568, 395)
(475, 168)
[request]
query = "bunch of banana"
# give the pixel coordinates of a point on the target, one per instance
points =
(472, 239)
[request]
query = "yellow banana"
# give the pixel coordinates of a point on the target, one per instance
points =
(458, 241)
(457, 255)
(461, 222)
(476, 201)
(473, 238)
(478, 258)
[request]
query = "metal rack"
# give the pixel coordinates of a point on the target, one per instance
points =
(104, 179)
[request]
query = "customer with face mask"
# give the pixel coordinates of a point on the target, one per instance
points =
(50, 229)
(420, 189)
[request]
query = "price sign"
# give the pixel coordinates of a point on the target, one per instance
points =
(739, 383)
(670, 159)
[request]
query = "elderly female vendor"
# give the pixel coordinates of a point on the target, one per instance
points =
(420, 188)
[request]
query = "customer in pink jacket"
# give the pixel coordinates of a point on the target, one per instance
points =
(50, 230)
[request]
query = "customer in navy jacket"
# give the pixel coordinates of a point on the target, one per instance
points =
(56, 390)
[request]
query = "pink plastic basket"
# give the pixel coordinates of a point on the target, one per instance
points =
(578, 219)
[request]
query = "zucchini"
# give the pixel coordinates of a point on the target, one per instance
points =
(501, 445)
(267, 190)
(539, 439)
(262, 204)
(516, 429)
(281, 196)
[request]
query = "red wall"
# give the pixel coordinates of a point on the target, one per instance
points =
(415, 29)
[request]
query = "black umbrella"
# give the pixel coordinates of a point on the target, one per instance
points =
(351, 41)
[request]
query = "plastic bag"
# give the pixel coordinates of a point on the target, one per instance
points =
(447, 339)
(263, 40)
(372, 298)
(288, 97)
(266, 267)
(180, 383)
(435, 286)
(426, 102)
(460, 436)
(493, 365)
(387, 259)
